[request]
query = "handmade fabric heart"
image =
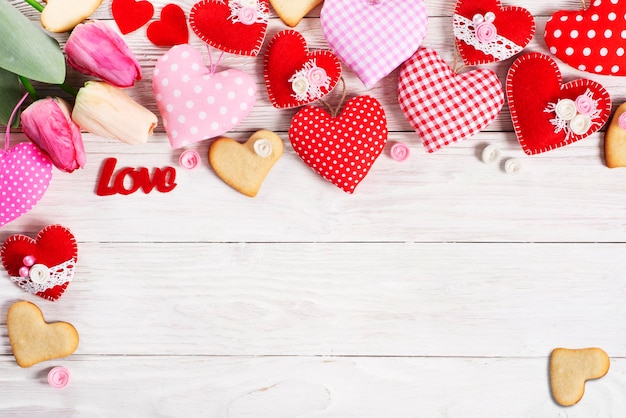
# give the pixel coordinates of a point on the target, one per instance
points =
(445, 107)
(341, 149)
(244, 166)
(373, 38)
(43, 266)
(292, 11)
(234, 26)
(25, 174)
(195, 102)
(293, 75)
(487, 32)
(130, 15)
(592, 40)
(171, 29)
(548, 114)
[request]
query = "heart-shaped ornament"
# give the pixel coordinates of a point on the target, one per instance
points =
(34, 340)
(293, 75)
(486, 32)
(130, 15)
(171, 29)
(548, 114)
(615, 139)
(445, 107)
(244, 166)
(292, 11)
(25, 174)
(341, 149)
(570, 370)
(234, 26)
(195, 102)
(373, 38)
(592, 40)
(43, 266)
(63, 15)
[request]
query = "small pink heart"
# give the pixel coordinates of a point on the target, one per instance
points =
(25, 174)
(196, 103)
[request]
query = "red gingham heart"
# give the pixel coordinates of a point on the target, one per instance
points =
(592, 40)
(445, 107)
(533, 82)
(341, 149)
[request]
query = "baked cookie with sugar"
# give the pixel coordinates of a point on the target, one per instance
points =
(570, 370)
(292, 11)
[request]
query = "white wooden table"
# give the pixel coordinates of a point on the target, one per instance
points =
(438, 289)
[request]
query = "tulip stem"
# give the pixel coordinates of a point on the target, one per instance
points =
(36, 5)
(29, 88)
(68, 89)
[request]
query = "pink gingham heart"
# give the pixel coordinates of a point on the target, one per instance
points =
(195, 102)
(25, 174)
(374, 37)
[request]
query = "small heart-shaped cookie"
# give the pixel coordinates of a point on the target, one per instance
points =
(292, 11)
(244, 166)
(62, 15)
(570, 369)
(34, 340)
(615, 139)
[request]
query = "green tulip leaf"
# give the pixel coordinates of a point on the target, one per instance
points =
(27, 50)
(11, 95)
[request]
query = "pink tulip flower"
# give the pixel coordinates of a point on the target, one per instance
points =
(95, 49)
(48, 124)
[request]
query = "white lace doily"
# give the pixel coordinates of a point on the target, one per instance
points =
(59, 275)
(501, 48)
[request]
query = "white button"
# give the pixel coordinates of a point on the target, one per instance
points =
(39, 273)
(490, 154)
(263, 148)
(512, 166)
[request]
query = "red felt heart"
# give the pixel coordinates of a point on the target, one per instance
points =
(54, 250)
(514, 28)
(130, 15)
(171, 29)
(226, 26)
(591, 40)
(288, 55)
(445, 107)
(341, 149)
(533, 86)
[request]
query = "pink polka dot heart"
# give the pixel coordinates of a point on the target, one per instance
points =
(195, 103)
(592, 40)
(25, 174)
(341, 149)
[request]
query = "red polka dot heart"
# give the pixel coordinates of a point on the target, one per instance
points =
(341, 149)
(591, 40)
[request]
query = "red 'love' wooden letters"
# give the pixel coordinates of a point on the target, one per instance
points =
(163, 179)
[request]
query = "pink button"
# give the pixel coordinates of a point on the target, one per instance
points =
(189, 159)
(400, 152)
(58, 377)
(622, 121)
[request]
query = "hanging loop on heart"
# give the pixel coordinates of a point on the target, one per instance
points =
(213, 68)
(7, 134)
(335, 111)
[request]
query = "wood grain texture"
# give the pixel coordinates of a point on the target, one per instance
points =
(438, 290)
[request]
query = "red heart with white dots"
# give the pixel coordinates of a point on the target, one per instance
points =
(170, 29)
(341, 149)
(592, 40)
(505, 34)
(227, 26)
(534, 88)
(286, 58)
(53, 255)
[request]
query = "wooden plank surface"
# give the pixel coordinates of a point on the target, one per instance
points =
(438, 289)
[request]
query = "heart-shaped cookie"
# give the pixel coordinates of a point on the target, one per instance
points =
(130, 15)
(244, 166)
(234, 26)
(341, 149)
(570, 370)
(445, 107)
(195, 102)
(25, 174)
(33, 340)
(293, 75)
(43, 266)
(487, 32)
(615, 139)
(373, 38)
(171, 29)
(548, 114)
(292, 11)
(592, 40)
(63, 15)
